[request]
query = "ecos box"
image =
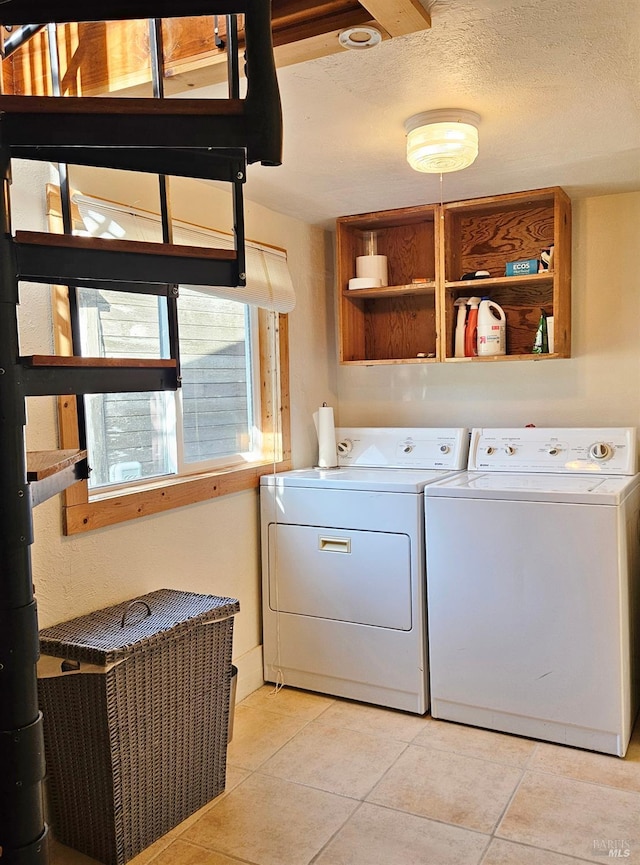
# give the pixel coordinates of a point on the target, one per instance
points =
(522, 268)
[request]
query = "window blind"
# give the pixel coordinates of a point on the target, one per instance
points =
(269, 284)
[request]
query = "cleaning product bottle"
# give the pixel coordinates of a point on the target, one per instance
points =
(491, 329)
(541, 343)
(461, 320)
(471, 330)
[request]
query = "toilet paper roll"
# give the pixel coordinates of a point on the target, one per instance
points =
(374, 266)
(326, 430)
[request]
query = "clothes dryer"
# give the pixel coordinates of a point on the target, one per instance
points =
(344, 595)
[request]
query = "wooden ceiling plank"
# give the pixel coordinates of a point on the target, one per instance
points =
(399, 17)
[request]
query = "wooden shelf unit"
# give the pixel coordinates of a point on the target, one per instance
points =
(414, 323)
(397, 323)
(486, 233)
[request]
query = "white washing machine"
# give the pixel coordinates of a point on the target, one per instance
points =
(343, 566)
(532, 568)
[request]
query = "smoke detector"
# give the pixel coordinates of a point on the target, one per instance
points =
(359, 37)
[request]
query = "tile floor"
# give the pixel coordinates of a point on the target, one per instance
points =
(313, 779)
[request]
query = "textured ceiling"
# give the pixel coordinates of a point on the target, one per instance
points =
(557, 85)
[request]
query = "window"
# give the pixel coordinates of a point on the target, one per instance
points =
(209, 422)
(225, 426)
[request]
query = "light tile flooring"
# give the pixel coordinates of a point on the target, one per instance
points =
(313, 779)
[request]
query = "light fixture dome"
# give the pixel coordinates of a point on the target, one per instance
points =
(442, 140)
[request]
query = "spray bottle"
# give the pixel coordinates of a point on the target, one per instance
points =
(471, 330)
(461, 320)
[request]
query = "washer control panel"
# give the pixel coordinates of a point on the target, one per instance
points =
(610, 450)
(402, 448)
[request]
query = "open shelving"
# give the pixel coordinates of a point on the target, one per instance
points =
(408, 322)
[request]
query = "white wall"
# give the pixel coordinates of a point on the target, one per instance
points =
(599, 384)
(210, 547)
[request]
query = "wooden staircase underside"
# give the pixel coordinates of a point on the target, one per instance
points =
(113, 57)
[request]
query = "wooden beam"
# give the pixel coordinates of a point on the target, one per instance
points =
(399, 17)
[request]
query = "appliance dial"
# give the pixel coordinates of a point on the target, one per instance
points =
(407, 449)
(553, 451)
(345, 446)
(600, 451)
(509, 450)
(490, 450)
(445, 449)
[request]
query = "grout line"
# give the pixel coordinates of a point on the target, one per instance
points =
(230, 856)
(496, 825)
(330, 840)
(365, 798)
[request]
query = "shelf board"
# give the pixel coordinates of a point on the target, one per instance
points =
(43, 464)
(499, 358)
(51, 472)
(387, 361)
(544, 278)
(391, 290)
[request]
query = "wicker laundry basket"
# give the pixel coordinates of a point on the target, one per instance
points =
(135, 700)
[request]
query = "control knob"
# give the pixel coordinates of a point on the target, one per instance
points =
(345, 446)
(407, 449)
(553, 451)
(509, 450)
(444, 449)
(600, 451)
(490, 450)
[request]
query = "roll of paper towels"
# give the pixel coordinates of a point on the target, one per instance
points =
(374, 266)
(326, 430)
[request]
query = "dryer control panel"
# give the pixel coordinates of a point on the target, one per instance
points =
(402, 447)
(610, 450)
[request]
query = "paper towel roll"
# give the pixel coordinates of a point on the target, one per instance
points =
(326, 430)
(374, 266)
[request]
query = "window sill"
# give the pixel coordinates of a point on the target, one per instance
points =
(160, 496)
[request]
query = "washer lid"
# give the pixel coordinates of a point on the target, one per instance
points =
(571, 489)
(368, 479)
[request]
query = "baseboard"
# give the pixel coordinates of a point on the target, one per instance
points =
(250, 676)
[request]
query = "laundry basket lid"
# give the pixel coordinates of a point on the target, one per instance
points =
(113, 633)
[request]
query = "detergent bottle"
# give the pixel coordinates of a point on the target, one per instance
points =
(491, 329)
(461, 321)
(471, 330)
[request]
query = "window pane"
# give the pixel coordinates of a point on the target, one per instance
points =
(129, 435)
(216, 377)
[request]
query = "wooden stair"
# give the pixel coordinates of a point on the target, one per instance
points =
(51, 375)
(66, 259)
(51, 472)
(208, 138)
(253, 123)
(228, 165)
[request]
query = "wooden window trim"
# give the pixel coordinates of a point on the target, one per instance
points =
(82, 514)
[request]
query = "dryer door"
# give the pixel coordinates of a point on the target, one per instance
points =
(350, 576)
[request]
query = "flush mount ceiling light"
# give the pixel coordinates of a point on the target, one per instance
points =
(359, 37)
(442, 140)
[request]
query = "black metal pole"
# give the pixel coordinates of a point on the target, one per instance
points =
(233, 75)
(23, 833)
(156, 47)
(67, 227)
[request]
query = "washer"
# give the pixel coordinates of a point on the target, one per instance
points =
(532, 564)
(343, 566)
